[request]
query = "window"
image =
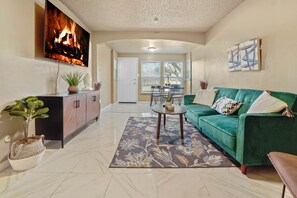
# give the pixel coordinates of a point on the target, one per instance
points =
(150, 75)
(173, 72)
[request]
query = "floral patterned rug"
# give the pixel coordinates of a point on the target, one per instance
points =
(138, 146)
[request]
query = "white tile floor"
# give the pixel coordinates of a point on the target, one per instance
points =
(81, 170)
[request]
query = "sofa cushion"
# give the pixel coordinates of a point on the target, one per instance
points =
(227, 92)
(266, 103)
(289, 98)
(205, 96)
(226, 106)
(194, 111)
(247, 97)
(221, 129)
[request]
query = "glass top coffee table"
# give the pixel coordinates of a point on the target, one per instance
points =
(178, 110)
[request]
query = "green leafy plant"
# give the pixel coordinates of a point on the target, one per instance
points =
(73, 79)
(27, 109)
(169, 97)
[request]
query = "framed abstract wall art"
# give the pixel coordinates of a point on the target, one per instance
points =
(245, 56)
(234, 58)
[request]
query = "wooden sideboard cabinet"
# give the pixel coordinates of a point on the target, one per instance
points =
(68, 114)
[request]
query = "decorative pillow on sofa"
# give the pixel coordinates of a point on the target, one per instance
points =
(266, 103)
(226, 105)
(205, 96)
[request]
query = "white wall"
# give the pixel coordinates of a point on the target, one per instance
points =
(23, 71)
(272, 20)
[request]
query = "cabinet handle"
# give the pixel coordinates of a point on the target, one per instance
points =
(75, 104)
(94, 98)
(78, 103)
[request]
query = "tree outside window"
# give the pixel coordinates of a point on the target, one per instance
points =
(150, 75)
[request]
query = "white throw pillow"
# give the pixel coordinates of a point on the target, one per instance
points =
(266, 103)
(226, 105)
(205, 96)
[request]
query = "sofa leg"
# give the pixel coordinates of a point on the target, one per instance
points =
(243, 169)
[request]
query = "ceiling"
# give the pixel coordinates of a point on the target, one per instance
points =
(139, 15)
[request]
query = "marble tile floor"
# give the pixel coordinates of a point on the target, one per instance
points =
(80, 170)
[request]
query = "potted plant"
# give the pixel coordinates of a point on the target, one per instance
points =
(168, 102)
(27, 152)
(73, 79)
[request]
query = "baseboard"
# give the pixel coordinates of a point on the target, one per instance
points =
(4, 165)
(104, 108)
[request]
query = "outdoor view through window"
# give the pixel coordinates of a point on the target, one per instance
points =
(152, 75)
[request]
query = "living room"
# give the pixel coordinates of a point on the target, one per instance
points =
(84, 161)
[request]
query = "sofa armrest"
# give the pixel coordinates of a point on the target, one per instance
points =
(188, 99)
(259, 134)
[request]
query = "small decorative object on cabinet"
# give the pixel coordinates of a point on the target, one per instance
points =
(28, 152)
(87, 82)
(69, 113)
(98, 85)
(73, 79)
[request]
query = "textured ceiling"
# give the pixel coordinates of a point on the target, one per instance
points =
(138, 15)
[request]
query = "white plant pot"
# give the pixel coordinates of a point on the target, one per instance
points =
(26, 163)
(167, 104)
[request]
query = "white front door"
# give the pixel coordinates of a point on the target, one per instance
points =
(127, 79)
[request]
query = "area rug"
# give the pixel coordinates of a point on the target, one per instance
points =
(138, 147)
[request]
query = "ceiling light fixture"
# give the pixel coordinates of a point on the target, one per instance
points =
(156, 20)
(151, 49)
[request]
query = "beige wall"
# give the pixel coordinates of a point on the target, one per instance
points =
(104, 73)
(275, 22)
(152, 57)
(198, 73)
(114, 75)
(23, 71)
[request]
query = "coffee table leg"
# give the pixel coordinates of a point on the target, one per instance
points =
(181, 126)
(159, 125)
(164, 120)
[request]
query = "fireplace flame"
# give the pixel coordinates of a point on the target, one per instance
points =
(68, 38)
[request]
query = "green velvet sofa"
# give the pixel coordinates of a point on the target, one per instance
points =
(248, 138)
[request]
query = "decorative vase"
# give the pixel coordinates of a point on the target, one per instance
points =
(170, 108)
(203, 84)
(167, 104)
(72, 89)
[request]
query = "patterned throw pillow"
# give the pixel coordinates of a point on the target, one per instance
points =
(266, 103)
(226, 105)
(205, 96)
